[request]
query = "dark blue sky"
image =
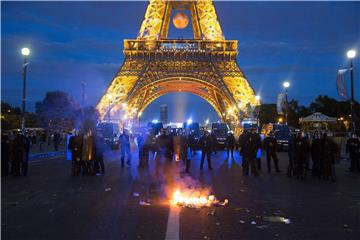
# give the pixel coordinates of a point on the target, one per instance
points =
(71, 42)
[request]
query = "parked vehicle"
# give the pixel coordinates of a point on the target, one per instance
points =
(281, 132)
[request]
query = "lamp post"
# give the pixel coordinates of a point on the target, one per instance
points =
(109, 97)
(286, 85)
(25, 52)
(352, 54)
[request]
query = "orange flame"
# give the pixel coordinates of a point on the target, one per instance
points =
(195, 199)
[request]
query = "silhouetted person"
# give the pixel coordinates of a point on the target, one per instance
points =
(316, 153)
(99, 147)
(192, 143)
(5, 154)
(251, 144)
(42, 140)
(301, 149)
(353, 149)
(230, 144)
(206, 149)
(242, 146)
(124, 141)
(75, 146)
(329, 149)
(56, 141)
(25, 162)
(18, 154)
(291, 155)
(270, 145)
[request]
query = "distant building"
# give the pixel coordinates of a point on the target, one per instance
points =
(164, 113)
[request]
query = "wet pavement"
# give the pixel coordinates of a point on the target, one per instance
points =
(132, 203)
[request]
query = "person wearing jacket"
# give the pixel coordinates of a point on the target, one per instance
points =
(206, 149)
(353, 149)
(269, 145)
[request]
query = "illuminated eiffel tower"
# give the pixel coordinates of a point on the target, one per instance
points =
(155, 65)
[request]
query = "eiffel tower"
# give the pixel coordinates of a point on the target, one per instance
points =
(155, 65)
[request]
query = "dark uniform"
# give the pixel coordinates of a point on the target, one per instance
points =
(301, 149)
(5, 155)
(353, 148)
(269, 145)
(316, 153)
(75, 146)
(329, 149)
(251, 144)
(25, 162)
(242, 146)
(206, 149)
(18, 153)
(124, 140)
(230, 144)
(291, 148)
(99, 154)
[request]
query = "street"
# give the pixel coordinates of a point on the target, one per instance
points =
(50, 204)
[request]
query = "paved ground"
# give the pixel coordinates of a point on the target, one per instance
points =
(50, 204)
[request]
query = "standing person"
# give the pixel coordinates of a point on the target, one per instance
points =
(75, 146)
(291, 153)
(230, 144)
(316, 154)
(242, 146)
(269, 145)
(252, 143)
(206, 149)
(56, 141)
(124, 141)
(192, 143)
(329, 149)
(353, 149)
(18, 154)
(141, 147)
(301, 149)
(42, 140)
(25, 162)
(5, 154)
(214, 142)
(99, 147)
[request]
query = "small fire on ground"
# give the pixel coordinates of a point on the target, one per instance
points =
(195, 199)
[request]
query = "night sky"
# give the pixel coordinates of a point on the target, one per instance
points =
(304, 42)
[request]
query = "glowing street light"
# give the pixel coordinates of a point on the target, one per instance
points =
(189, 121)
(352, 54)
(286, 85)
(257, 97)
(25, 52)
(207, 121)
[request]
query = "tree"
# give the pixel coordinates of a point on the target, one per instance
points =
(91, 116)
(11, 117)
(58, 110)
(267, 113)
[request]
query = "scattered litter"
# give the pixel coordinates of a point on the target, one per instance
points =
(277, 219)
(247, 210)
(241, 221)
(135, 194)
(107, 189)
(206, 237)
(212, 212)
(226, 201)
(217, 224)
(144, 203)
(262, 226)
(346, 226)
(51, 210)
(242, 190)
(238, 209)
(276, 235)
(54, 195)
(257, 216)
(253, 222)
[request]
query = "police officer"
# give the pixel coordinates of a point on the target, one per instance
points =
(230, 144)
(291, 153)
(75, 146)
(5, 154)
(329, 149)
(316, 154)
(206, 149)
(124, 140)
(18, 154)
(269, 145)
(353, 149)
(99, 147)
(301, 149)
(251, 145)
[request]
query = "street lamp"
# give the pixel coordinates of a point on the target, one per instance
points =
(109, 97)
(352, 54)
(286, 85)
(25, 52)
(257, 97)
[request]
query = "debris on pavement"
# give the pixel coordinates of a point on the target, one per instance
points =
(241, 221)
(51, 210)
(212, 212)
(277, 219)
(107, 189)
(253, 223)
(346, 226)
(144, 203)
(262, 226)
(217, 224)
(135, 194)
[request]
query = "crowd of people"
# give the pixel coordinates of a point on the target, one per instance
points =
(16, 146)
(87, 151)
